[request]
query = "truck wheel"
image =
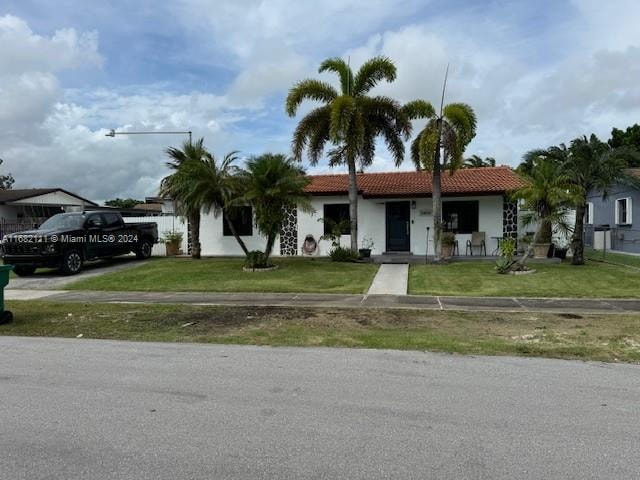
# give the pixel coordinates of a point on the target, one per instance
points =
(71, 262)
(144, 250)
(24, 270)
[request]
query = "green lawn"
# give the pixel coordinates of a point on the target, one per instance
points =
(295, 275)
(619, 258)
(612, 338)
(550, 280)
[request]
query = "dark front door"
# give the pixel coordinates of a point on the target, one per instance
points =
(398, 227)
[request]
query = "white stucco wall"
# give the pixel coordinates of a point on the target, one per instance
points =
(371, 222)
(213, 242)
(53, 198)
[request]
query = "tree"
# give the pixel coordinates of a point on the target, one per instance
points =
(593, 165)
(123, 202)
(179, 186)
(546, 198)
(474, 161)
(440, 145)
(628, 138)
(551, 160)
(6, 181)
(350, 120)
(272, 183)
(215, 187)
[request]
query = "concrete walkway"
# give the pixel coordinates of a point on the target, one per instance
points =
(391, 279)
(492, 304)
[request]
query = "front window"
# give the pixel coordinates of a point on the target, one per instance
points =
(337, 214)
(589, 214)
(64, 221)
(623, 211)
(241, 219)
(460, 217)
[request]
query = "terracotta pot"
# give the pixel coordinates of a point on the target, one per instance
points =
(540, 250)
(447, 251)
(172, 249)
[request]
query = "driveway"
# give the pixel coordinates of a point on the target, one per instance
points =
(89, 409)
(48, 279)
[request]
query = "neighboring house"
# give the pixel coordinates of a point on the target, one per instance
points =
(22, 209)
(394, 210)
(619, 211)
(156, 206)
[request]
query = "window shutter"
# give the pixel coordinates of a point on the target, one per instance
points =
(589, 213)
(617, 213)
(629, 218)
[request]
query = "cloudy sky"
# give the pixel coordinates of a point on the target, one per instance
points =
(536, 72)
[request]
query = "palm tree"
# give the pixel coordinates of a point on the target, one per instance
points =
(272, 183)
(440, 145)
(552, 160)
(592, 165)
(215, 187)
(179, 186)
(350, 120)
(546, 196)
(475, 161)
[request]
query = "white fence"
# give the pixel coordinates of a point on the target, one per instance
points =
(167, 223)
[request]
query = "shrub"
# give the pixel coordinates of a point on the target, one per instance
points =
(503, 265)
(172, 237)
(448, 239)
(342, 254)
(256, 259)
(508, 247)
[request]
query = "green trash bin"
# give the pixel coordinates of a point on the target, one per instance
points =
(5, 315)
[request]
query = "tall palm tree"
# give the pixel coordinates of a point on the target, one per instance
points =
(440, 145)
(272, 183)
(475, 161)
(179, 186)
(546, 196)
(592, 165)
(349, 119)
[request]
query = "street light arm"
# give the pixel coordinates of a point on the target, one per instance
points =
(113, 133)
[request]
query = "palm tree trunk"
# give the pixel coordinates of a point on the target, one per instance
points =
(529, 250)
(353, 203)
(194, 219)
(436, 198)
(236, 236)
(577, 241)
(271, 239)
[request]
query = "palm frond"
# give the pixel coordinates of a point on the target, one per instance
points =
(309, 89)
(343, 109)
(417, 109)
(463, 119)
(339, 66)
(372, 72)
(312, 132)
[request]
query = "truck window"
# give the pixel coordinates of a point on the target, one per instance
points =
(111, 220)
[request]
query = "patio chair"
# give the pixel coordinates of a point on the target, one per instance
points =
(478, 240)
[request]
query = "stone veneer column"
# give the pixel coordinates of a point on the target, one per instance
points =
(509, 218)
(289, 232)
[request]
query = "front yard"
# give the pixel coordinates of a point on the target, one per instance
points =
(294, 275)
(595, 280)
(611, 338)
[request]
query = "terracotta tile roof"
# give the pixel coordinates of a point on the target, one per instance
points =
(467, 181)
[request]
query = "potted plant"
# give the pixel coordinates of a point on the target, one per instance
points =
(448, 241)
(560, 250)
(172, 242)
(367, 246)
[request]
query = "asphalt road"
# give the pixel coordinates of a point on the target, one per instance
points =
(87, 409)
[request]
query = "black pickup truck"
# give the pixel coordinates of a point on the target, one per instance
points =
(67, 240)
